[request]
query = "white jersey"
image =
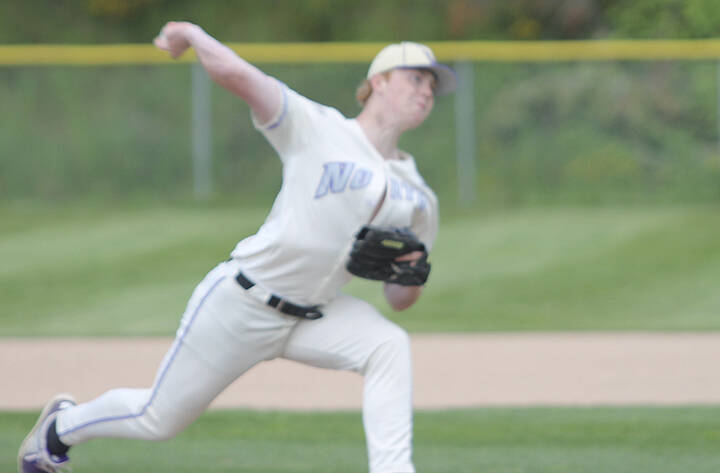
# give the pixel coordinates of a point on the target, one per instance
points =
(333, 180)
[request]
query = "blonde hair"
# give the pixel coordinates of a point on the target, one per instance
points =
(364, 90)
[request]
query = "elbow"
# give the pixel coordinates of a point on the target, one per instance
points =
(248, 83)
(232, 74)
(229, 77)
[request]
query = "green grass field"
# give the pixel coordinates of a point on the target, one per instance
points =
(130, 271)
(502, 440)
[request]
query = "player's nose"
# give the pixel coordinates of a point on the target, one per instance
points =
(427, 89)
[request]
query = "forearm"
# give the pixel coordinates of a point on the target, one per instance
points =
(221, 63)
(226, 68)
(401, 297)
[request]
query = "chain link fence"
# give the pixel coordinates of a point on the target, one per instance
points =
(519, 131)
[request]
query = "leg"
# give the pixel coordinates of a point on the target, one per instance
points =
(354, 336)
(223, 334)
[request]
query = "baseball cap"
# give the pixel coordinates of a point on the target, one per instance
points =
(409, 55)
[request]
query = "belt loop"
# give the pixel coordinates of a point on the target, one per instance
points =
(243, 281)
(274, 301)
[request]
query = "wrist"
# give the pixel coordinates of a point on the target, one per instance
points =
(191, 31)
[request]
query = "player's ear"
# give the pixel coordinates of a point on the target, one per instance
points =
(379, 81)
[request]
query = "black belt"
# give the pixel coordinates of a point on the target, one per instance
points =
(284, 306)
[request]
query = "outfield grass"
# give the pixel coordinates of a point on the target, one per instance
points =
(130, 271)
(500, 440)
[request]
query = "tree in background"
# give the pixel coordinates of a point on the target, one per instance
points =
(665, 19)
(136, 21)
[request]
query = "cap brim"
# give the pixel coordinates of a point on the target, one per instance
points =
(447, 81)
(446, 77)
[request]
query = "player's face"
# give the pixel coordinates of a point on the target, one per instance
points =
(411, 94)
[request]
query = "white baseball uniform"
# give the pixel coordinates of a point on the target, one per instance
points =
(333, 182)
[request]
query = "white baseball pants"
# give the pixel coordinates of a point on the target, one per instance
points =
(224, 332)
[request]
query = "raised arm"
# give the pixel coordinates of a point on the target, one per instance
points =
(261, 92)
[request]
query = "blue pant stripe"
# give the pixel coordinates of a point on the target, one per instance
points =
(176, 348)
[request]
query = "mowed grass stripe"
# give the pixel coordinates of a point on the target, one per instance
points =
(500, 440)
(131, 272)
(585, 269)
(111, 237)
(116, 273)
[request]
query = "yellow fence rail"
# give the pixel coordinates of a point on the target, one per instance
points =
(494, 51)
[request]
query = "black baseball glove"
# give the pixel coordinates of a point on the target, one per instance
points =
(374, 253)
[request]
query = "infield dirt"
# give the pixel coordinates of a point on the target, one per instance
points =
(463, 370)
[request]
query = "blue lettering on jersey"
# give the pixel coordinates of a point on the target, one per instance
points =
(395, 192)
(336, 176)
(409, 191)
(339, 175)
(402, 190)
(360, 179)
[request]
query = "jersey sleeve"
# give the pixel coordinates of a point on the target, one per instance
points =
(295, 125)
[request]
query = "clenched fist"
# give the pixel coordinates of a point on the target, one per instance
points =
(173, 38)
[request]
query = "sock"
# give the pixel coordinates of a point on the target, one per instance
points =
(54, 445)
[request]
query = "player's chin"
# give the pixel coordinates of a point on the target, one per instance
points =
(417, 120)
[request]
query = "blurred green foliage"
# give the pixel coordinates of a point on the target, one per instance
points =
(665, 18)
(111, 21)
(579, 133)
(599, 133)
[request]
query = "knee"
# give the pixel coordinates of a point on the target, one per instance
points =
(162, 426)
(399, 339)
(164, 433)
(392, 348)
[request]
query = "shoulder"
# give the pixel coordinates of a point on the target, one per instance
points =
(299, 123)
(298, 109)
(295, 101)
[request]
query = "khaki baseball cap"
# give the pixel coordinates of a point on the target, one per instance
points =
(409, 55)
